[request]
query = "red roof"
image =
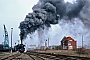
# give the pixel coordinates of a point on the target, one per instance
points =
(68, 38)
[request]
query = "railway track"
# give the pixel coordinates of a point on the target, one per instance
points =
(11, 57)
(34, 56)
(51, 56)
(42, 56)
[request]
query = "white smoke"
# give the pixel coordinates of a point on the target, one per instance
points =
(75, 28)
(42, 36)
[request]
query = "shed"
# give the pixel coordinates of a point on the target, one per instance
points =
(68, 43)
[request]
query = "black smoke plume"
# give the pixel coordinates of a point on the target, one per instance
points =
(38, 19)
(47, 12)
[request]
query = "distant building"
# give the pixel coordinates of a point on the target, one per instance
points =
(52, 47)
(43, 47)
(68, 43)
(1, 47)
(31, 47)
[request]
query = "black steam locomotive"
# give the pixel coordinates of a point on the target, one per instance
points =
(20, 48)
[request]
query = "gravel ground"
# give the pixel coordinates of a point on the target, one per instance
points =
(64, 52)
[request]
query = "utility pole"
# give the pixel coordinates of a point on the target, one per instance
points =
(82, 41)
(11, 39)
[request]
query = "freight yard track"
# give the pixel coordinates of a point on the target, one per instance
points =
(12, 57)
(34, 56)
(51, 56)
(41, 56)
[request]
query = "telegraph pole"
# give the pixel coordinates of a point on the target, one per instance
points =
(82, 41)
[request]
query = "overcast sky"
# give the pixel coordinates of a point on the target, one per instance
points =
(12, 12)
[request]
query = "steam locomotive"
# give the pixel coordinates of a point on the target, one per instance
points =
(20, 48)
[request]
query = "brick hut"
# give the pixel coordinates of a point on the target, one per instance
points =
(68, 43)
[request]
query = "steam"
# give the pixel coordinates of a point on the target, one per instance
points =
(47, 12)
(42, 35)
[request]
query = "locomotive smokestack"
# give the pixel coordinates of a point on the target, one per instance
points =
(21, 41)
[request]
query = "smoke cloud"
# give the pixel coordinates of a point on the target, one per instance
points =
(38, 19)
(47, 12)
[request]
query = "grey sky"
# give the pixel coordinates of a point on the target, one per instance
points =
(12, 12)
